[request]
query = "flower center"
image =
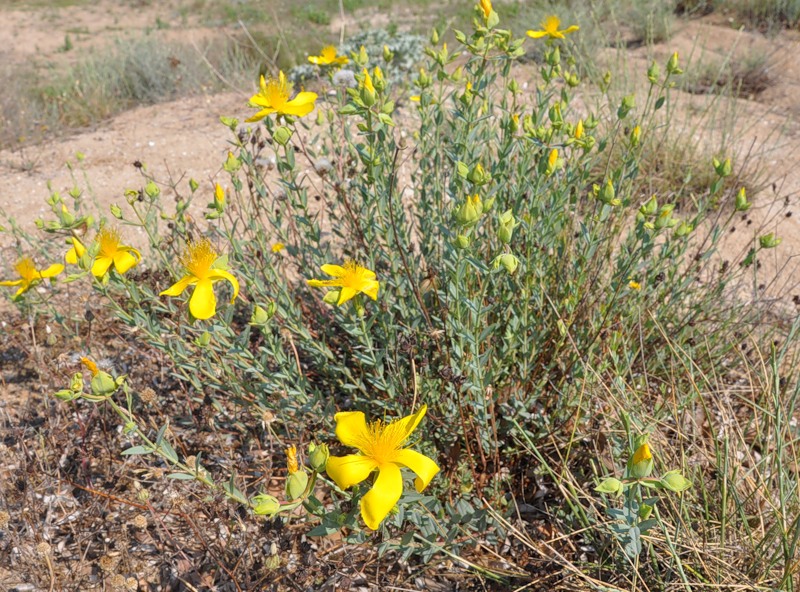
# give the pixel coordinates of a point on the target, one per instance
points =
(328, 53)
(109, 241)
(276, 92)
(198, 258)
(26, 269)
(551, 24)
(382, 441)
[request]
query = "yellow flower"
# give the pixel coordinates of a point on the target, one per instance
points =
(633, 285)
(486, 7)
(381, 448)
(328, 57)
(642, 454)
(111, 252)
(30, 276)
(274, 96)
(76, 252)
(579, 129)
(550, 29)
(278, 247)
(197, 260)
(351, 279)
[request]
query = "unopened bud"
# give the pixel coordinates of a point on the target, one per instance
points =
(674, 481)
(265, 505)
(318, 456)
(296, 484)
(640, 465)
(742, 205)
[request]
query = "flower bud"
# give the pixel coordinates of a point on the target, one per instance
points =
(193, 185)
(653, 73)
(578, 132)
(434, 36)
(625, 106)
(461, 242)
(683, 229)
(723, 168)
(388, 55)
(607, 194)
(611, 486)
(742, 205)
(636, 135)
(318, 456)
(506, 224)
(768, 241)
(664, 218)
(103, 384)
(470, 210)
(674, 481)
(204, 339)
(282, 135)
(508, 261)
(672, 64)
(367, 89)
(296, 484)
(361, 58)
(640, 464)
(152, 190)
(66, 395)
(265, 505)
(261, 316)
(232, 164)
(478, 175)
(331, 297)
(116, 211)
(76, 384)
(644, 511)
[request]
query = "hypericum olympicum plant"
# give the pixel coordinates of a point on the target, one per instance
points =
(110, 253)
(381, 449)
(328, 57)
(550, 29)
(29, 276)
(351, 279)
(274, 96)
(198, 260)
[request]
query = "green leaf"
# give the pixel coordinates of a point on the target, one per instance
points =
(137, 450)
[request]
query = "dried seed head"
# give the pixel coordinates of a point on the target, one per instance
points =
(117, 582)
(148, 395)
(107, 563)
(43, 548)
(140, 522)
(4, 520)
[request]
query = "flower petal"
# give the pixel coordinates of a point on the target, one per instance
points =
(351, 428)
(410, 422)
(536, 34)
(424, 467)
(125, 258)
(12, 282)
(334, 270)
(301, 105)
(51, 271)
(349, 470)
(345, 294)
(178, 287)
(383, 496)
(260, 115)
(23, 288)
(371, 289)
(221, 274)
(571, 29)
(71, 257)
(203, 303)
(101, 265)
